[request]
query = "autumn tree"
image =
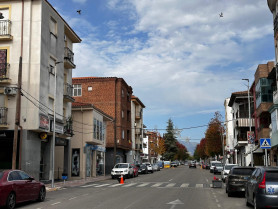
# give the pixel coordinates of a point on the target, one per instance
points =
(182, 153)
(170, 142)
(213, 136)
(158, 147)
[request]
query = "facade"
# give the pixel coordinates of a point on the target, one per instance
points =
(240, 117)
(113, 97)
(137, 130)
(89, 140)
(229, 145)
(145, 155)
(46, 52)
(153, 138)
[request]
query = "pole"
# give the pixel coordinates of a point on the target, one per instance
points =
(266, 163)
(17, 114)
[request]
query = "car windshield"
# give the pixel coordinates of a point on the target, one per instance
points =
(142, 166)
(121, 166)
(229, 167)
(1, 174)
(271, 176)
(218, 164)
(243, 171)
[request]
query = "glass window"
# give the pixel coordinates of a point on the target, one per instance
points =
(274, 121)
(53, 26)
(1, 175)
(77, 90)
(121, 165)
(271, 176)
(242, 171)
(100, 131)
(23, 175)
(123, 134)
(264, 91)
(95, 128)
(14, 176)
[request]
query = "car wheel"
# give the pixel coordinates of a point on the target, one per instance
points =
(229, 194)
(10, 204)
(42, 194)
(246, 200)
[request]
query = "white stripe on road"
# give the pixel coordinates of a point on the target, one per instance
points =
(89, 185)
(142, 185)
(157, 185)
(115, 185)
(72, 198)
(199, 185)
(184, 185)
(102, 185)
(56, 203)
(170, 185)
(129, 185)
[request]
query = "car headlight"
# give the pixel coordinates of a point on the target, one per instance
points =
(112, 170)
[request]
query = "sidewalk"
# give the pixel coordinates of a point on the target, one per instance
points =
(72, 183)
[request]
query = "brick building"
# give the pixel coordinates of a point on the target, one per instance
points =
(113, 96)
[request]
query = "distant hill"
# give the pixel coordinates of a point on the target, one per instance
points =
(190, 146)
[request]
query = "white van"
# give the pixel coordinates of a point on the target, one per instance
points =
(212, 165)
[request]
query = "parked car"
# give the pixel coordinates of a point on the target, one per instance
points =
(212, 165)
(143, 169)
(192, 164)
(218, 168)
(174, 164)
(135, 170)
(16, 186)
(236, 180)
(156, 167)
(149, 167)
(122, 169)
(262, 188)
(167, 164)
(161, 164)
(226, 170)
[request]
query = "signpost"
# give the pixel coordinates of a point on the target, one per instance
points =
(265, 143)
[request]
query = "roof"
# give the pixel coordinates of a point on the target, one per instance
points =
(138, 100)
(77, 38)
(76, 105)
(235, 95)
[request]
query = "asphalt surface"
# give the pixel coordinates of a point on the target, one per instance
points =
(173, 188)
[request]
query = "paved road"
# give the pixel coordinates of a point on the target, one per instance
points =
(173, 188)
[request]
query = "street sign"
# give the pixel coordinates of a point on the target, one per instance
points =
(250, 137)
(265, 143)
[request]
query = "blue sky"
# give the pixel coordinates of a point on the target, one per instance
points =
(180, 57)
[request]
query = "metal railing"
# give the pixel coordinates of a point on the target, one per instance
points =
(4, 70)
(68, 55)
(3, 115)
(5, 27)
(68, 90)
(68, 126)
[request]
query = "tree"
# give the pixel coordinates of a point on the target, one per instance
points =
(170, 142)
(213, 136)
(182, 153)
(158, 147)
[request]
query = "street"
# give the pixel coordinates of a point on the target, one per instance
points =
(173, 188)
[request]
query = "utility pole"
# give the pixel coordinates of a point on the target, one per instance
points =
(17, 114)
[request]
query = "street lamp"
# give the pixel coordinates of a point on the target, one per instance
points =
(249, 108)
(54, 124)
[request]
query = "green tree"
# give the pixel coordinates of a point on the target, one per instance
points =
(170, 142)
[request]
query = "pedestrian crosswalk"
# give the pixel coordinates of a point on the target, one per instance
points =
(150, 184)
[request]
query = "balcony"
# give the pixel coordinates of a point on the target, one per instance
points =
(138, 115)
(3, 117)
(68, 58)
(68, 93)
(275, 26)
(138, 130)
(68, 126)
(4, 73)
(244, 122)
(5, 30)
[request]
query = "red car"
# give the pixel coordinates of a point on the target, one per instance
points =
(135, 170)
(17, 186)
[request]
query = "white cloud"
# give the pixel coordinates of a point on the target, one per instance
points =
(179, 53)
(80, 1)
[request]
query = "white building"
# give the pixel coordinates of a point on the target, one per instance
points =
(35, 31)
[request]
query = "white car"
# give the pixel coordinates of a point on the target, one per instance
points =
(149, 166)
(122, 169)
(212, 165)
(226, 170)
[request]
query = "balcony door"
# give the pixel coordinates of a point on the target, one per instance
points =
(3, 63)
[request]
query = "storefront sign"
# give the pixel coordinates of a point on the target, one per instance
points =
(250, 137)
(97, 148)
(44, 122)
(59, 127)
(60, 141)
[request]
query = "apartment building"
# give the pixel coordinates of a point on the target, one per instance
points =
(137, 125)
(35, 31)
(112, 96)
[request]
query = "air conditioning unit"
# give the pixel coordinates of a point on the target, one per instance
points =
(10, 90)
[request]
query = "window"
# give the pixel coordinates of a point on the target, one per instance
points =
(53, 26)
(123, 134)
(98, 130)
(77, 90)
(123, 93)
(95, 128)
(3, 63)
(23, 175)
(90, 88)
(123, 114)
(14, 176)
(264, 91)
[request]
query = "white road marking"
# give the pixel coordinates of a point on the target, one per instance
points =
(115, 185)
(129, 185)
(184, 185)
(142, 185)
(72, 198)
(216, 200)
(199, 185)
(56, 203)
(157, 185)
(102, 185)
(170, 185)
(170, 179)
(89, 185)
(218, 205)
(207, 180)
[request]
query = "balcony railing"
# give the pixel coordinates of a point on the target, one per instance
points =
(5, 29)
(4, 71)
(69, 58)
(68, 92)
(68, 126)
(244, 122)
(3, 115)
